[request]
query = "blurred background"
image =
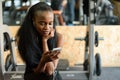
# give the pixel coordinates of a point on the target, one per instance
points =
(71, 17)
(73, 12)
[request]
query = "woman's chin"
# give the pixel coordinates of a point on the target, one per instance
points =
(46, 34)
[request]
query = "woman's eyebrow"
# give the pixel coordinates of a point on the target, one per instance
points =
(44, 21)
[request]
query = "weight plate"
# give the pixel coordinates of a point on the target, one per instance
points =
(98, 64)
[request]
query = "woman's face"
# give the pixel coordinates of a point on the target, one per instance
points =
(43, 21)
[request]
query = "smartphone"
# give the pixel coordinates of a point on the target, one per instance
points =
(56, 49)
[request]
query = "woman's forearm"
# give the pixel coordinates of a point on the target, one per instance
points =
(42, 64)
(45, 45)
(47, 68)
(41, 67)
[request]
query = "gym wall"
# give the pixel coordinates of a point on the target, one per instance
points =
(109, 48)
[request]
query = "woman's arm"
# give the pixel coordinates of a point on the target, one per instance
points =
(44, 59)
(60, 42)
(54, 63)
(48, 62)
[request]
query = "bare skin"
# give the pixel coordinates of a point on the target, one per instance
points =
(43, 21)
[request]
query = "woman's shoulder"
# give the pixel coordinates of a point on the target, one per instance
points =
(59, 35)
(60, 39)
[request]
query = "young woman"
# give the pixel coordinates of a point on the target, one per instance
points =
(36, 38)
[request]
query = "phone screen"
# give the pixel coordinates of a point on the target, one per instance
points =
(57, 49)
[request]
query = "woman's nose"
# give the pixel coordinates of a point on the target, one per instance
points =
(47, 26)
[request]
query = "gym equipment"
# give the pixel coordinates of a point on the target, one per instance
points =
(9, 62)
(101, 12)
(97, 61)
(104, 13)
(9, 70)
(92, 64)
(63, 65)
(1, 20)
(98, 64)
(81, 16)
(96, 39)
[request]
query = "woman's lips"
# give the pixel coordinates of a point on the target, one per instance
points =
(46, 32)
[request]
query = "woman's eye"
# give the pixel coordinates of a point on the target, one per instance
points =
(42, 23)
(50, 23)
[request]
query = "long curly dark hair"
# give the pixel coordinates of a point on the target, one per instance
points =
(28, 39)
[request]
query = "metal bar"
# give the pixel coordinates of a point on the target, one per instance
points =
(1, 18)
(83, 72)
(3, 29)
(1, 56)
(91, 52)
(81, 11)
(91, 41)
(14, 72)
(83, 38)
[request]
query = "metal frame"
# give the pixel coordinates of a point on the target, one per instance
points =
(91, 38)
(7, 75)
(1, 19)
(104, 5)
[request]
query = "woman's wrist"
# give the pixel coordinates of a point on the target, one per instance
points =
(44, 39)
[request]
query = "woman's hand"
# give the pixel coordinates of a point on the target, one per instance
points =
(50, 35)
(45, 62)
(50, 56)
